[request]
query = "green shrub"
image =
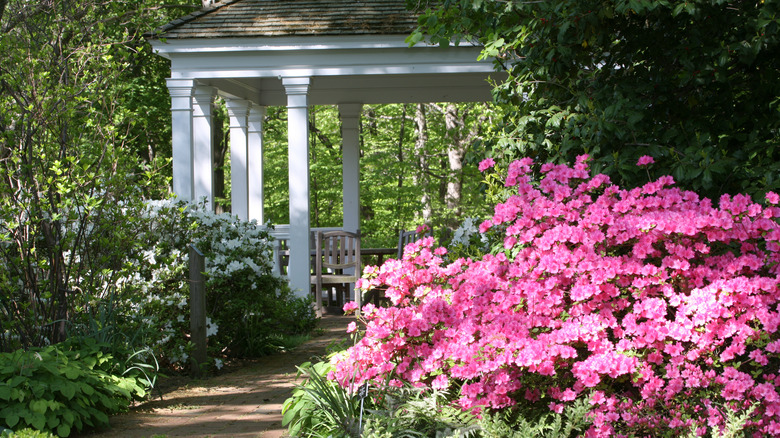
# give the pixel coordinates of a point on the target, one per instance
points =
(26, 433)
(248, 306)
(64, 387)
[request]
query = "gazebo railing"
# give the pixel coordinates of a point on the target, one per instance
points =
(281, 249)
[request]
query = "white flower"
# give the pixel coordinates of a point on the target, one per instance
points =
(211, 327)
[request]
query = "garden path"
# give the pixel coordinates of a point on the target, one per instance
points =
(243, 403)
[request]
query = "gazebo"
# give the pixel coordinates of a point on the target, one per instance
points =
(297, 53)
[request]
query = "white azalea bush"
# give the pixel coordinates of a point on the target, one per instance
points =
(248, 306)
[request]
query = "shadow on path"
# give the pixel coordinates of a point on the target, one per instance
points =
(242, 403)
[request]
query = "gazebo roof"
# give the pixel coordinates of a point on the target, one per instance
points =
(274, 18)
(353, 51)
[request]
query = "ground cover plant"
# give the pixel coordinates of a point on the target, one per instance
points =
(66, 387)
(655, 307)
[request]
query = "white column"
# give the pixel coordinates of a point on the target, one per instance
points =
(239, 170)
(350, 134)
(255, 163)
(202, 161)
(181, 121)
(297, 90)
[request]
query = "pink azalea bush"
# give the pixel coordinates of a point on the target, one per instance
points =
(658, 308)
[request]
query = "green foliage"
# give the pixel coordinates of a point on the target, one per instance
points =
(320, 407)
(252, 317)
(74, 158)
(395, 174)
(64, 387)
(529, 421)
(25, 433)
(692, 84)
(410, 412)
(736, 420)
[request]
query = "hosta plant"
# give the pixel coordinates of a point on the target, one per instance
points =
(64, 388)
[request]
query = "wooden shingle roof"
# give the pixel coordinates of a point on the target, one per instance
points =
(270, 18)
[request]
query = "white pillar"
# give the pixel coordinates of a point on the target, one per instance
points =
(181, 122)
(202, 161)
(350, 135)
(239, 169)
(255, 163)
(298, 271)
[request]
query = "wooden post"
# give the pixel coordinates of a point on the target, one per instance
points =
(197, 310)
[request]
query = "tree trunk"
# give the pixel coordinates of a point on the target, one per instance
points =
(455, 154)
(219, 141)
(421, 179)
(400, 156)
(314, 192)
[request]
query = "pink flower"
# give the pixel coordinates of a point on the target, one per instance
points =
(440, 382)
(587, 285)
(486, 164)
(772, 198)
(350, 307)
(645, 160)
(351, 327)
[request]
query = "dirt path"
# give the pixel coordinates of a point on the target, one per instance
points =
(243, 403)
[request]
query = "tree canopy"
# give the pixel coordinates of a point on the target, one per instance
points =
(692, 83)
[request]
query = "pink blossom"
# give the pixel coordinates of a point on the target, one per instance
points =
(351, 327)
(664, 302)
(486, 164)
(350, 307)
(440, 382)
(645, 160)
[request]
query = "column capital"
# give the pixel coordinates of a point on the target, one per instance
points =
(203, 92)
(202, 98)
(299, 85)
(350, 110)
(237, 108)
(256, 112)
(180, 87)
(297, 90)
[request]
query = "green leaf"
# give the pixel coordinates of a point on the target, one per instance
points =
(72, 373)
(38, 421)
(5, 392)
(16, 381)
(291, 414)
(63, 430)
(52, 420)
(67, 417)
(87, 389)
(100, 417)
(68, 390)
(12, 419)
(39, 406)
